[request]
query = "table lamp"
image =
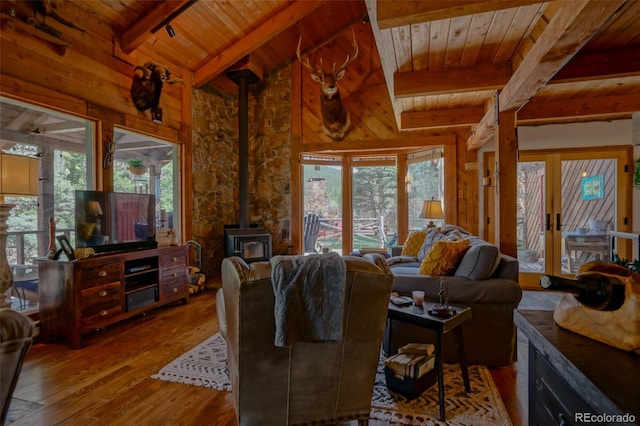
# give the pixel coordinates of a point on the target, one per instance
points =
(96, 209)
(18, 178)
(431, 209)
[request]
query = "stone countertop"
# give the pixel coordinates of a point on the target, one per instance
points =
(608, 379)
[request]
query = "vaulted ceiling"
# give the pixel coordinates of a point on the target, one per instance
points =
(448, 65)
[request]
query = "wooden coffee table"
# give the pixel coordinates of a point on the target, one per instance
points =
(419, 316)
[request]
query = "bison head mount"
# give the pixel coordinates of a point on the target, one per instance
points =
(147, 88)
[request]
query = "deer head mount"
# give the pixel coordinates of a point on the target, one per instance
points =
(335, 116)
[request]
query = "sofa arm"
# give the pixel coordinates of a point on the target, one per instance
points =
(462, 290)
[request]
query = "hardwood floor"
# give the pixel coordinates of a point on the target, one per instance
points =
(108, 380)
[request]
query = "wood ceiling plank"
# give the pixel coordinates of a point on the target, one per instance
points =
(429, 83)
(254, 39)
(447, 118)
(457, 38)
(480, 25)
(398, 13)
(495, 36)
(140, 31)
(571, 27)
(402, 47)
(438, 44)
(420, 46)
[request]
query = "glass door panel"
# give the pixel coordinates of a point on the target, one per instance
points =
(588, 188)
(532, 219)
(322, 201)
(567, 202)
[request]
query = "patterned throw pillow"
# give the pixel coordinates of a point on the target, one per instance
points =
(443, 258)
(411, 247)
(437, 234)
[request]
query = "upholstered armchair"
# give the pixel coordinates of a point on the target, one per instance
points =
(306, 382)
(16, 331)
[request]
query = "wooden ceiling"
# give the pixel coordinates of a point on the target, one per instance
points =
(447, 65)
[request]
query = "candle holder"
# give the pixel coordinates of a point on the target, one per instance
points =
(443, 308)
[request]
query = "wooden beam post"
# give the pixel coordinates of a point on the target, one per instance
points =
(507, 184)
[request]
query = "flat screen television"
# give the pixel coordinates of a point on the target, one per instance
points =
(113, 221)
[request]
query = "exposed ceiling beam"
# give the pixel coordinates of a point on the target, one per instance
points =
(600, 65)
(398, 13)
(472, 79)
(133, 38)
(597, 108)
(441, 118)
(582, 67)
(386, 144)
(254, 39)
(574, 23)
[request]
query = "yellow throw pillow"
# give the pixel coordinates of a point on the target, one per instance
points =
(411, 247)
(444, 257)
(85, 230)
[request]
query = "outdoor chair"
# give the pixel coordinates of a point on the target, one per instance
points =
(311, 228)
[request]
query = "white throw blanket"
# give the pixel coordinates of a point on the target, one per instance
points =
(309, 298)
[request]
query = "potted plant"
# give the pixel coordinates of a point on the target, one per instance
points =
(136, 166)
(636, 175)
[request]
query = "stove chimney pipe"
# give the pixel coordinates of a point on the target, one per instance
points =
(243, 77)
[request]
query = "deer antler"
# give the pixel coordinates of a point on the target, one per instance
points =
(308, 64)
(321, 69)
(352, 58)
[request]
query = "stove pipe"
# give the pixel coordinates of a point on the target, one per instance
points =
(243, 78)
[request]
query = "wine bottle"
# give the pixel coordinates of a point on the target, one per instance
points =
(598, 291)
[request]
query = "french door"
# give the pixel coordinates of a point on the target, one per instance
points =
(567, 202)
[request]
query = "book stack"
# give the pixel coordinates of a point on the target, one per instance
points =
(413, 360)
(411, 371)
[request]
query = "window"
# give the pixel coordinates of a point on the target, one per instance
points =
(322, 198)
(146, 165)
(64, 146)
(374, 201)
(425, 181)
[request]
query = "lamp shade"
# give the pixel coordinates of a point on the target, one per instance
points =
(432, 209)
(18, 175)
(95, 208)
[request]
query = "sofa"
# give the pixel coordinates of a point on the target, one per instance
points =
(483, 279)
(305, 382)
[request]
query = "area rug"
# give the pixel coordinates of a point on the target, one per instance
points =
(206, 365)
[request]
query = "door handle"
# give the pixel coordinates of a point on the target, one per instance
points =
(558, 224)
(548, 221)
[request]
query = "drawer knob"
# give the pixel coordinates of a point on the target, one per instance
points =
(174, 259)
(102, 273)
(175, 274)
(103, 313)
(174, 289)
(102, 293)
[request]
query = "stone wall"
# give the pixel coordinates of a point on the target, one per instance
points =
(215, 165)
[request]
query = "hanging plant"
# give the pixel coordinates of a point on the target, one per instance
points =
(636, 175)
(137, 167)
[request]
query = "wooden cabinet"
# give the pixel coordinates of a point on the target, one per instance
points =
(79, 297)
(576, 380)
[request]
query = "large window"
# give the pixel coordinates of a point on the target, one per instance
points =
(64, 147)
(425, 181)
(374, 201)
(357, 197)
(147, 165)
(322, 192)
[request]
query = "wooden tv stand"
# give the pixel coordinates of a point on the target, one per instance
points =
(82, 296)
